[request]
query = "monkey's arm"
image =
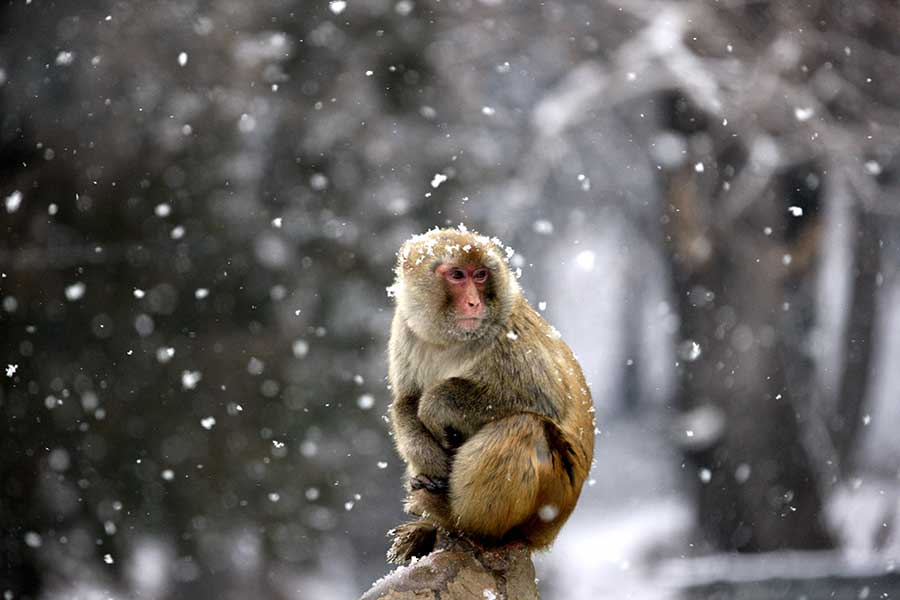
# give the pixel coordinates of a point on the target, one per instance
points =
(454, 410)
(422, 453)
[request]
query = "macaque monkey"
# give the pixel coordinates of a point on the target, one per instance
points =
(490, 409)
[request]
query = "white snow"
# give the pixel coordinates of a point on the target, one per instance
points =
(13, 201)
(585, 181)
(585, 260)
(873, 167)
(300, 348)
(255, 366)
(75, 291)
(438, 179)
(189, 379)
(404, 7)
(65, 58)
(543, 227)
(366, 401)
(318, 181)
(804, 113)
(689, 350)
(165, 354)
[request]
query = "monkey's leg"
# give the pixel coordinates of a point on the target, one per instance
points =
(435, 485)
(429, 505)
(513, 474)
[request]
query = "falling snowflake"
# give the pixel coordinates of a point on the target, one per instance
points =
(366, 401)
(75, 291)
(803, 113)
(65, 58)
(438, 179)
(585, 181)
(164, 355)
(585, 259)
(189, 379)
(13, 201)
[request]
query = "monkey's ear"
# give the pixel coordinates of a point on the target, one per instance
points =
(407, 263)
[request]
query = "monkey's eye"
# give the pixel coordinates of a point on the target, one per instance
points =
(457, 274)
(480, 276)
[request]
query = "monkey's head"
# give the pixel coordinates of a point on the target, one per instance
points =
(453, 285)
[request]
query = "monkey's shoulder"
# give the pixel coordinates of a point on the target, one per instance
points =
(531, 366)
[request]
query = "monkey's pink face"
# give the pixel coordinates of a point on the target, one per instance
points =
(466, 285)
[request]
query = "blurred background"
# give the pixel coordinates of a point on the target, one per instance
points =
(201, 202)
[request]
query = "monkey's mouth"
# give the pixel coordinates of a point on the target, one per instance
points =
(469, 323)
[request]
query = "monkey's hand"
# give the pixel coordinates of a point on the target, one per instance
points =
(436, 485)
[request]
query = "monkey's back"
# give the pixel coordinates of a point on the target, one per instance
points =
(530, 368)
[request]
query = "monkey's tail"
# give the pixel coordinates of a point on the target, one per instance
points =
(416, 538)
(514, 471)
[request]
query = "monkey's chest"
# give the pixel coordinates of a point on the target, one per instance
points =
(430, 367)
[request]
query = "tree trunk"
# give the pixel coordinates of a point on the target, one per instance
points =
(861, 319)
(756, 489)
(461, 570)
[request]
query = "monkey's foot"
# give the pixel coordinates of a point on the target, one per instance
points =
(416, 538)
(432, 484)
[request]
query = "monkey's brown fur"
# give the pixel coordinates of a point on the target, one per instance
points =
(495, 425)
